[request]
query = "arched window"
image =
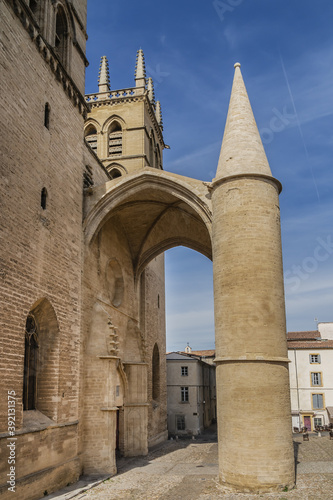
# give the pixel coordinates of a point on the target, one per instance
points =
(41, 360)
(91, 137)
(30, 364)
(61, 35)
(43, 198)
(156, 373)
(115, 139)
(114, 173)
(47, 111)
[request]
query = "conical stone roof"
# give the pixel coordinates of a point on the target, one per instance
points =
(242, 151)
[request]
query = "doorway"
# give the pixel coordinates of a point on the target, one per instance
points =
(307, 422)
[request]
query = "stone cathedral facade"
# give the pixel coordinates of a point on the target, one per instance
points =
(86, 214)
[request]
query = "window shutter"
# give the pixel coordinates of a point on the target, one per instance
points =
(310, 359)
(319, 361)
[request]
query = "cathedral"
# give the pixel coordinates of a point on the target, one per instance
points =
(87, 211)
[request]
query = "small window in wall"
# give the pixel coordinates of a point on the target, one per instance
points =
(317, 401)
(115, 140)
(47, 111)
(43, 198)
(184, 370)
(184, 394)
(91, 137)
(158, 300)
(314, 358)
(316, 378)
(156, 373)
(151, 151)
(180, 422)
(30, 364)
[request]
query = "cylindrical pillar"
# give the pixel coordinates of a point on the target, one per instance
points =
(253, 397)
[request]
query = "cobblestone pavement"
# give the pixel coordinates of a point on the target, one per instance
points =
(187, 470)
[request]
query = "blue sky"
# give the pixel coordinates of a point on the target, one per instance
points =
(286, 54)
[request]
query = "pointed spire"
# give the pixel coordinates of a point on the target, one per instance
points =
(140, 70)
(242, 150)
(158, 114)
(151, 93)
(104, 77)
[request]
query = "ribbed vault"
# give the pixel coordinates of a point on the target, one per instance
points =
(156, 210)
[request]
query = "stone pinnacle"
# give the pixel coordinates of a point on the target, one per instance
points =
(104, 78)
(242, 151)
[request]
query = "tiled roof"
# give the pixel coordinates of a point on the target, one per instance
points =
(312, 335)
(209, 352)
(319, 344)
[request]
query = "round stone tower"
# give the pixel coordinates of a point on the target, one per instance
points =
(255, 439)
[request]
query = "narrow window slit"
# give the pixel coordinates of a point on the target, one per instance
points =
(43, 198)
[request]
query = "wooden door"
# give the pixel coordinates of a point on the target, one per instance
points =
(307, 422)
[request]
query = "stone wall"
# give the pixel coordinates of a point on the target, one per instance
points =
(40, 260)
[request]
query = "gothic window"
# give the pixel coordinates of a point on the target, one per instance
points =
(30, 364)
(156, 372)
(47, 111)
(61, 35)
(115, 140)
(91, 137)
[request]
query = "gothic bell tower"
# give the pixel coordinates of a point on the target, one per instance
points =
(124, 127)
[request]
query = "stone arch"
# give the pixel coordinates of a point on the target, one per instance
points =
(158, 211)
(47, 376)
(91, 122)
(108, 123)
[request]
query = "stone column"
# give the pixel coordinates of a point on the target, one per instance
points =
(253, 397)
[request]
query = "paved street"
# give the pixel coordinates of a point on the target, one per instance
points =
(187, 470)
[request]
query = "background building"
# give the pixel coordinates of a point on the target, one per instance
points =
(191, 393)
(311, 376)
